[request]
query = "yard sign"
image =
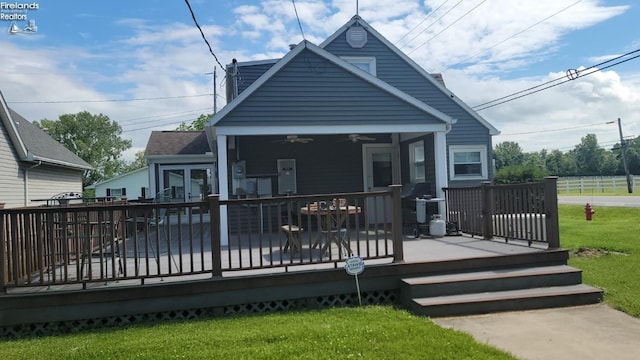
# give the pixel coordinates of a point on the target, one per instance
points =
(355, 266)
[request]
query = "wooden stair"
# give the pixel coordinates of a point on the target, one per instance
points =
(502, 289)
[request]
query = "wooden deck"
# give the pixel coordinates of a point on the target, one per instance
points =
(61, 308)
(175, 270)
(416, 250)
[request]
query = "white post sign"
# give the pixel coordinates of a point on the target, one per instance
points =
(355, 266)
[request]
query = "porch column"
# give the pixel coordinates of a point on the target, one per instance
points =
(223, 186)
(440, 158)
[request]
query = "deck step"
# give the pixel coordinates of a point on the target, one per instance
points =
(510, 300)
(490, 280)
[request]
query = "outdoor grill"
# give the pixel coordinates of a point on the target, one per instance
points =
(410, 192)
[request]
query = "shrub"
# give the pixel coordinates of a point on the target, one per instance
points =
(519, 174)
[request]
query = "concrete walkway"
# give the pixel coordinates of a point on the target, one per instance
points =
(582, 332)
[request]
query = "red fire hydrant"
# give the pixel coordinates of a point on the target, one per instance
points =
(588, 212)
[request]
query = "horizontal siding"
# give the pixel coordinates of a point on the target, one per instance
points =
(11, 181)
(132, 182)
(312, 91)
(46, 181)
(249, 74)
(392, 69)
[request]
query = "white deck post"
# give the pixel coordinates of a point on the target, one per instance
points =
(440, 157)
(223, 186)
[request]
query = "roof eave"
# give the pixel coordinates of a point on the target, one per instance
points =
(35, 158)
(10, 125)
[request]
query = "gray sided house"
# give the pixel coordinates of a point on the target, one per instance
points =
(353, 114)
(34, 165)
(181, 165)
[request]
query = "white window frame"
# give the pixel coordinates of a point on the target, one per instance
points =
(453, 149)
(413, 161)
(369, 60)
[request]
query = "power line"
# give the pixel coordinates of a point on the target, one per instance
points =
(448, 26)
(571, 74)
(155, 117)
(298, 17)
(156, 124)
(420, 23)
(433, 23)
(106, 100)
(518, 33)
(193, 16)
(553, 130)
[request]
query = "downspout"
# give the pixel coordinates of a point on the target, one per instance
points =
(26, 181)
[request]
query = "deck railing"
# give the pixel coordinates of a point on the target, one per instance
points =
(526, 212)
(89, 243)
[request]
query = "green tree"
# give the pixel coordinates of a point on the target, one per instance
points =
(138, 163)
(508, 153)
(560, 164)
(94, 138)
(632, 153)
(535, 158)
(196, 125)
(589, 156)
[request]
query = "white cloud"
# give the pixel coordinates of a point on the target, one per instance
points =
(571, 109)
(169, 58)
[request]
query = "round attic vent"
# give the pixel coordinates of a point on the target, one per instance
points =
(356, 37)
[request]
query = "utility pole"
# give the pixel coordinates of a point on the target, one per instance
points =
(624, 159)
(215, 97)
(215, 100)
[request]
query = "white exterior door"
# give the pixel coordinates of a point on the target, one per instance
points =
(186, 183)
(379, 170)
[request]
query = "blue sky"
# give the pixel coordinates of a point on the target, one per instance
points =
(122, 50)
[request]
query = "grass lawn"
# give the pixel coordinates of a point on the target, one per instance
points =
(607, 249)
(372, 332)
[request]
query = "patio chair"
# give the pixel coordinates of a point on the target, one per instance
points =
(293, 242)
(157, 219)
(106, 230)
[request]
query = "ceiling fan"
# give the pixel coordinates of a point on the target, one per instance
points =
(358, 137)
(296, 139)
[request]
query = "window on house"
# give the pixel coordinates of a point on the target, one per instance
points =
(468, 162)
(117, 193)
(416, 160)
(365, 63)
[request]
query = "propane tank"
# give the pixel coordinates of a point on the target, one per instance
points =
(437, 226)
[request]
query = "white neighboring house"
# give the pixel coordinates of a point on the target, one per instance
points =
(132, 185)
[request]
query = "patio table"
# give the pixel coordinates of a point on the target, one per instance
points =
(332, 220)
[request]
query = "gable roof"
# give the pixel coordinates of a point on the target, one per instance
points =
(169, 143)
(344, 65)
(358, 21)
(33, 144)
